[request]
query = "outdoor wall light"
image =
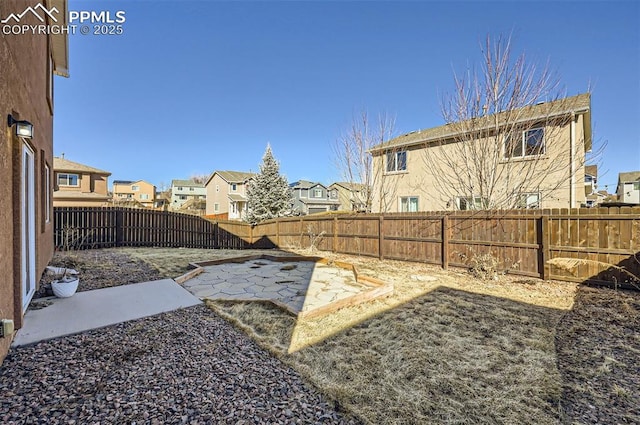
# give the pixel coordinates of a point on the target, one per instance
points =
(23, 128)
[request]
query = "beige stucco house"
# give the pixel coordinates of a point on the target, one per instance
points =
(531, 157)
(352, 196)
(79, 185)
(28, 63)
(227, 194)
(141, 192)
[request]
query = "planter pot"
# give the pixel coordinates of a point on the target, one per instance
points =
(65, 287)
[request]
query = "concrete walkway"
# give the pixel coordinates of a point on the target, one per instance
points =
(102, 307)
(299, 286)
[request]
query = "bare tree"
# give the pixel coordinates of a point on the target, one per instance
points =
(354, 161)
(501, 147)
(199, 178)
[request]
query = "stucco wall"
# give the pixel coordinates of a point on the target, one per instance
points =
(23, 92)
(418, 179)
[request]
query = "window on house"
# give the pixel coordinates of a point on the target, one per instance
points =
(216, 207)
(234, 187)
(527, 143)
(636, 186)
(144, 196)
(316, 193)
(465, 203)
(396, 161)
(191, 189)
(217, 188)
(68, 179)
(179, 188)
(529, 200)
(588, 178)
(47, 193)
(409, 204)
(183, 197)
(135, 188)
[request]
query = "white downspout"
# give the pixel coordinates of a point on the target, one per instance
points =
(572, 182)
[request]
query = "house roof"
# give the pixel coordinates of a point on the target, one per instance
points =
(319, 202)
(591, 170)
(232, 176)
(304, 184)
(187, 183)
(60, 42)
(69, 194)
(630, 176)
(61, 164)
(236, 197)
(575, 104)
(350, 186)
(128, 182)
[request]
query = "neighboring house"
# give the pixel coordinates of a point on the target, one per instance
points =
(592, 196)
(407, 183)
(629, 187)
(351, 196)
(27, 62)
(185, 190)
(227, 194)
(312, 198)
(125, 191)
(79, 185)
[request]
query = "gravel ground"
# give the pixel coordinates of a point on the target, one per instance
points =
(184, 367)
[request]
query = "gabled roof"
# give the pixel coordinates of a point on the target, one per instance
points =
(61, 164)
(576, 104)
(591, 170)
(232, 176)
(350, 186)
(304, 184)
(186, 183)
(630, 176)
(236, 197)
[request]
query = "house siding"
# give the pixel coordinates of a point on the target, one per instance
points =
(23, 93)
(418, 180)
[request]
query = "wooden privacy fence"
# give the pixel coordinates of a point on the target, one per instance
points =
(95, 227)
(522, 240)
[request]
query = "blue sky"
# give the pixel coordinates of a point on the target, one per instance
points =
(195, 86)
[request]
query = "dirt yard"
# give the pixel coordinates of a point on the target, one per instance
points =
(446, 347)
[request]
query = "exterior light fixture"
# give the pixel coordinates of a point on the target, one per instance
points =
(23, 128)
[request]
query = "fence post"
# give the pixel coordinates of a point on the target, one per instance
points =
(544, 246)
(334, 245)
(380, 237)
(119, 226)
(445, 241)
(251, 236)
(278, 232)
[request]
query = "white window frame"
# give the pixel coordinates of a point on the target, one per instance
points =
(393, 160)
(523, 145)
(216, 207)
(316, 193)
(47, 193)
(474, 201)
(144, 196)
(408, 200)
(524, 201)
(234, 187)
(66, 177)
(135, 188)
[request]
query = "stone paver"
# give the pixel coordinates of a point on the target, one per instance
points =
(301, 285)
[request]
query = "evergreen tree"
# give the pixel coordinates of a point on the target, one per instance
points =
(268, 193)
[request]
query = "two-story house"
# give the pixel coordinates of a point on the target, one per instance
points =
(311, 198)
(527, 157)
(185, 190)
(227, 194)
(28, 62)
(352, 196)
(628, 190)
(79, 185)
(140, 191)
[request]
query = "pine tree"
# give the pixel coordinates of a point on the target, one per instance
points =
(268, 193)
